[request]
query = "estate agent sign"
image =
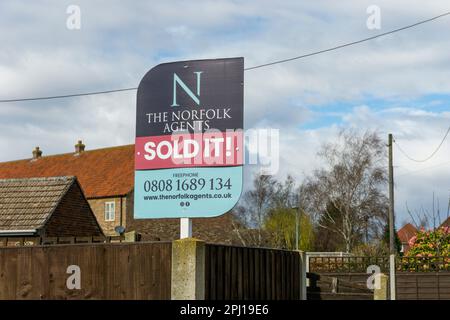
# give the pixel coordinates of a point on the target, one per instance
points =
(189, 139)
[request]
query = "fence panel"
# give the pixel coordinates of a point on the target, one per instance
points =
(355, 264)
(423, 285)
(251, 273)
(108, 271)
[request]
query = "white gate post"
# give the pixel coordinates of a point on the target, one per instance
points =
(392, 276)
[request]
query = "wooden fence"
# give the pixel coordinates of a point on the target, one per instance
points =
(423, 264)
(108, 271)
(356, 264)
(423, 278)
(423, 285)
(143, 270)
(351, 264)
(251, 273)
(416, 277)
(38, 241)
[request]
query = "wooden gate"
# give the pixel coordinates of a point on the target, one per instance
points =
(338, 287)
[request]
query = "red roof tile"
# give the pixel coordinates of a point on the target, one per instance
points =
(102, 172)
(406, 232)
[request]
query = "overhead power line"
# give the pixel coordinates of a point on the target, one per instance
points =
(423, 169)
(70, 95)
(350, 43)
(246, 69)
(430, 156)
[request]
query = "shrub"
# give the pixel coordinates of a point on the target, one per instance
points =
(430, 243)
(429, 251)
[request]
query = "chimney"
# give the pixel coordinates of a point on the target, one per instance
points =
(79, 147)
(37, 153)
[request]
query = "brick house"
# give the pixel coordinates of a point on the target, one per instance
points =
(405, 234)
(107, 179)
(45, 207)
(408, 231)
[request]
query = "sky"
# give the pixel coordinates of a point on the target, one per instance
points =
(397, 84)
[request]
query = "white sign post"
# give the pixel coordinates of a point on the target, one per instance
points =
(185, 228)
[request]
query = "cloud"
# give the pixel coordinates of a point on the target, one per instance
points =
(418, 133)
(397, 84)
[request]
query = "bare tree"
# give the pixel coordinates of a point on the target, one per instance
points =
(424, 218)
(347, 195)
(256, 202)
(266, 197)
(239, 222)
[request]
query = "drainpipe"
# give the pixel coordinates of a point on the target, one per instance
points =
(121, 219)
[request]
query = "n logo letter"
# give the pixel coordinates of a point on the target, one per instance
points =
(177, 80)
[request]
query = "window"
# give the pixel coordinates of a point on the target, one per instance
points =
(110, 211)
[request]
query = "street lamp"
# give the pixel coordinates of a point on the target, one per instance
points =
(296, 225)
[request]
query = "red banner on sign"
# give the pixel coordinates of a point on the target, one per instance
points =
(210, 149)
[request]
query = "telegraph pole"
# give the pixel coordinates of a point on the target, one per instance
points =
(391, 197)
(391, 221)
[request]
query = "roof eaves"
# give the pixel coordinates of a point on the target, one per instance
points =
(110, 195)
(29, 232)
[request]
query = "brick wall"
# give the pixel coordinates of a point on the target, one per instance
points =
(73, 217)
(214, 230)
(98, 207)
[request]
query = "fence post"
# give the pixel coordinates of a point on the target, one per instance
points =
(381, 289)
(188, 269)
(130, 236)
(303, 270)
